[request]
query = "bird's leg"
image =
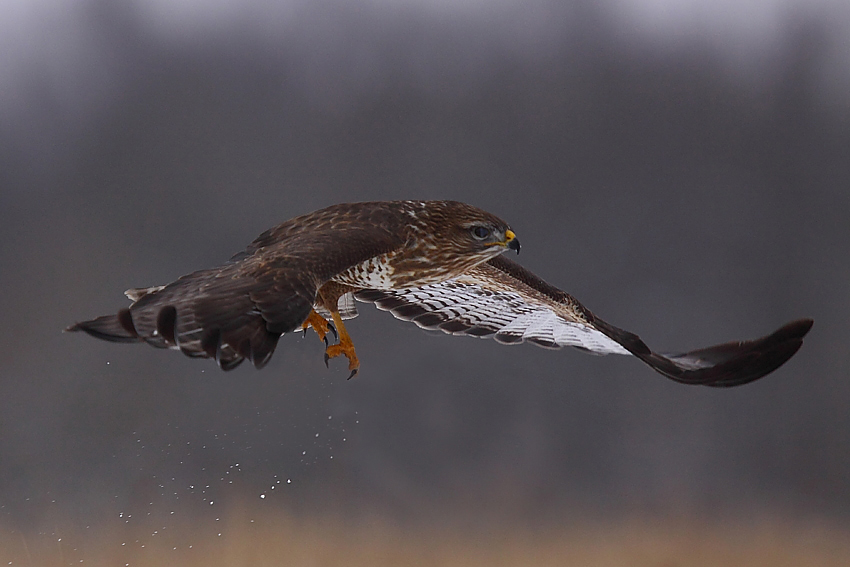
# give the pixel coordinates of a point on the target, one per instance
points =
(345, 346)
(319, 324)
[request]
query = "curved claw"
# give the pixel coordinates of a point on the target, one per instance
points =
(319, 324)
(327, 358)
(344, 347)
(332, 329)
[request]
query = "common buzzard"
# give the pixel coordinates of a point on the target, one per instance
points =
(436, 263)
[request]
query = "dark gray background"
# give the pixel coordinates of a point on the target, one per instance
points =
(684, 174)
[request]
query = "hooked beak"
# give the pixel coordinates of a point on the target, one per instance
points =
(511, 241)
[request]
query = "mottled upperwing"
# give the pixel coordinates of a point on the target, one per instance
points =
(239, 310)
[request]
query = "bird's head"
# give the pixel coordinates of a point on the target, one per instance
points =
(470, 231)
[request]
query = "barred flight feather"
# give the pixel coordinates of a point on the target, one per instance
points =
(459, 308)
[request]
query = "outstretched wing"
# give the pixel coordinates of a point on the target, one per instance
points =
(230, 313)
(239, 310)
(503, 300)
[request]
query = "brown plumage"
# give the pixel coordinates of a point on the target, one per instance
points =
(435, 263)
(239, 310)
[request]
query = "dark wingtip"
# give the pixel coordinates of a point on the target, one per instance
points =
(211, 342)
(794, 329)
(720, 366)
(778, 355)
(114, 328)
(769, 353)
(166, 321)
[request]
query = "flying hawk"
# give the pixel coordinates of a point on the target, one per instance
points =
(435, 263)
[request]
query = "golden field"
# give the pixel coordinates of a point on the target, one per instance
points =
(246, 540)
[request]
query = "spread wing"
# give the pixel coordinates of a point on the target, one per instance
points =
(231, 313)
(503, 300)
(239, 310)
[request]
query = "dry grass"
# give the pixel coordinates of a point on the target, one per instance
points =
(278, 541)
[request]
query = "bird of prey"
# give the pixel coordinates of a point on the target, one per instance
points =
(435, 263)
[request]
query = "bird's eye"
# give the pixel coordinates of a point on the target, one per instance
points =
(480, 232)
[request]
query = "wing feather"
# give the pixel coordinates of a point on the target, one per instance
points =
(482, 304)
(239, 310)
(504, 300)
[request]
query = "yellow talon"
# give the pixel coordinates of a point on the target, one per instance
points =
(344, 347)
(319, 324)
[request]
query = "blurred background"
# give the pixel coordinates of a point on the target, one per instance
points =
(681, 167)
